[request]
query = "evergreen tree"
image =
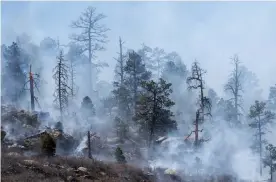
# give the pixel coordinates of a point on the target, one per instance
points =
(62, 90)
(121, 129)
(145, 53)
(87, 107)
(234, 87)
(270, 160)
(195, 81)
(59, 126)
(135, 72)
(92, 37)
(14, 78)
(272, 98)
(260, 118)
(120, 155)
(153, 112)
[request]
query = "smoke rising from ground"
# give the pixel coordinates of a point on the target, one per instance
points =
(208, 32)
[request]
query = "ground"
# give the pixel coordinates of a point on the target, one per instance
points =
(18, 168)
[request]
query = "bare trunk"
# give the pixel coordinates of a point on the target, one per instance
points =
(236, 94)
(72, 79)
(271, 167)
(32, 89)
(89, 145)
(260, 144)
(90, 66)
(202, 99)
(196, 129)
(59, 91)
(121, 62)
(135, 85)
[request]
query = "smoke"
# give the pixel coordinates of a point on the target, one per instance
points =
(211, 34)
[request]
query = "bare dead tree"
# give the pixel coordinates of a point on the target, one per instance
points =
(92, 37)
(89, 145)
(120, 62)
(33, 81)
(73, 86)
(234, 87)
(62, 91)
(196, 82)
(196, 131)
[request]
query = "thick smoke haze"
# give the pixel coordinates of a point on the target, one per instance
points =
(209, 32)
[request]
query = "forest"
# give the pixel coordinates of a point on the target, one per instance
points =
(156, 112)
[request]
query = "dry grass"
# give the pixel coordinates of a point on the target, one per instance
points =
(18, 168)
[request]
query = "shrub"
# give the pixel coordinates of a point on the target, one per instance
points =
(3, 134)
(59, 126)
(120, 155)
(48, 145)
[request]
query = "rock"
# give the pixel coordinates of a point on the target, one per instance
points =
(70, 169)
(170, 171)
(70, 178)
(83, 169)
(87, 177)
(30, 162)
(13, 154)
(102, 173)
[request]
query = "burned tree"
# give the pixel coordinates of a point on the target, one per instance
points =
(92, 37)
(33, 80)
(120, 72)
(73, 86)
(234, 87)
(62, 90)
(260, 118)
(195, 81)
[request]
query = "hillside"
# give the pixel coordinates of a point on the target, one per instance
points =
(15, 168)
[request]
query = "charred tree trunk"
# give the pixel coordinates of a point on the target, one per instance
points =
(59, 93)
(90, 68)
(32, 89)
(196, 129)
(260, 144)
(135, 86)
(121, 62)
(89, 145)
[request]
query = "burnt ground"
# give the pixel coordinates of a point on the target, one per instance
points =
(18, 168)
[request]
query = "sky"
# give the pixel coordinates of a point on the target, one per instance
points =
(210, 32)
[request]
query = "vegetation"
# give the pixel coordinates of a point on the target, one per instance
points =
(153, 100)
(48, 145)
(120, 155)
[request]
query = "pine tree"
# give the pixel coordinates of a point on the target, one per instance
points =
(270, 160)
(135, 72)
(121, 129)
(234, 87)
(120, 155)
(92, 37)
(272, 98)
(14, 77)
(153, 114)
(195, 81)
(260, 118)
(87, 107)
(62, 91)
(48, 145)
